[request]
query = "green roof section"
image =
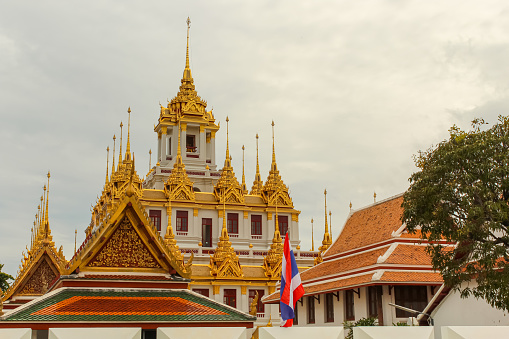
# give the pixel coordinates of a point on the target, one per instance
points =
(125, 305)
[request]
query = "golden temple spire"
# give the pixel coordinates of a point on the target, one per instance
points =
(46, 222)
(274, 189)
(351, 206)
(374, 197)
(113, 157)
(257, 183)
(179, 186)
(128, 146)
(312, 236)
(326, 242)
(43, 220)
(120, 151)
(271, 263)
(330, 223)
(107, 162)
(75, 239)
(228, 182)
(187, 70)
(244, 187)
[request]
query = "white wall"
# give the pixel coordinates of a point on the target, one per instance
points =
(455, 311)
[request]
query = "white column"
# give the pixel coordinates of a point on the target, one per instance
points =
(213, 147)
(163, 144)
(158, 148)
(203, 144)
(183, 135)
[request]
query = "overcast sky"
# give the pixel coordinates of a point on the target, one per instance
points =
(355, 89)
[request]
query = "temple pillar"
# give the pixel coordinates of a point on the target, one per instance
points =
(213, 147)
(203, 144)
(163, 144)
(183, 134)
(158, 148)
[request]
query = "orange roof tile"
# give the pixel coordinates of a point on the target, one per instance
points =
(409, 255)
(369, 226)
(426, 277)
(344, 264)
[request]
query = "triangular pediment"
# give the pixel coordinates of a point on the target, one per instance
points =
(124, 248)
(36, 277)
(229, 269)
(127, 242)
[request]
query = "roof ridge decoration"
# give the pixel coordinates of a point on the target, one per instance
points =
(272, 263)
(244, 187)
(224, 263)
(178, 186)
(257, 188)
(42, 263)
(128, 241)
(327, 241)
(227, 188)
(274, 190)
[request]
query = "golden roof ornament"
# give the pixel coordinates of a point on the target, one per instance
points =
(225, 262)
(374, 197)
(227, 187)
(274, 190)
(257, 188)
(120, 151)
(128, 145)
(244, 187)
(178, 186)
(107, 163)
(113, 157)
(272, 263)
(312, 236)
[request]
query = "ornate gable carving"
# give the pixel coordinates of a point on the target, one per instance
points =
(39, 282)
(228, 269)
(124, 249)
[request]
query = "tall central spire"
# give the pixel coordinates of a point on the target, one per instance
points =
(128, 146)
(257, 187)
(187, 70)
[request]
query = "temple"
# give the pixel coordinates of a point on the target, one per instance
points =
(188, 233)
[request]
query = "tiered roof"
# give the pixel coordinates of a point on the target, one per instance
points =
(374, 248)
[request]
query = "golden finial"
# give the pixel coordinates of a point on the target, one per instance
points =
(351, 206)
(257, 183)
(312, 236)
(228, 158)
(269, 324)
(374, 197)
(325, 199)
(46, 227)
(273, 148)
(187, 70)
(107, 161)
(113, 157)
(149, 159)
(330, 223)
(244, 187)
(128, 146)
(120, 151)
(75, 239)
(43, 216)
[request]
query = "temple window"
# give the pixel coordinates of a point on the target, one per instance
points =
(349, 305)
(155, 217)
(190, 143)
(414, 297)
(282, 221)
(230, 297)
(256, 225)
(233, 223)
(329, 308)
(181, 221)
(206, 232)
(311, 310)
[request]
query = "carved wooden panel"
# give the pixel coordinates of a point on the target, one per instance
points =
(124, 249)
(39, 282)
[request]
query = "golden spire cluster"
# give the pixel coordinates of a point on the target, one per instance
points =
(117, 182)
(228, 187)
(272, 262)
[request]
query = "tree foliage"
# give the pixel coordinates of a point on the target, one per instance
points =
(4, 277)
(461, 194)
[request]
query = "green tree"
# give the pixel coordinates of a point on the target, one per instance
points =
(460, 195)
(4, 277)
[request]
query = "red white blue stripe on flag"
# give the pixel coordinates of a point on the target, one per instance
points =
(291, 286)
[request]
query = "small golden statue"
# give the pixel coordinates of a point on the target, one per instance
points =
(254, 305)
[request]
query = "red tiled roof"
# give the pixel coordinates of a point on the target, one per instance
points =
(370, 225)
(409, 255)
(343, 264)
(425, 277)
(103, 305)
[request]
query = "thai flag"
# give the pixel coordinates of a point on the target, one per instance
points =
(291, 286)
